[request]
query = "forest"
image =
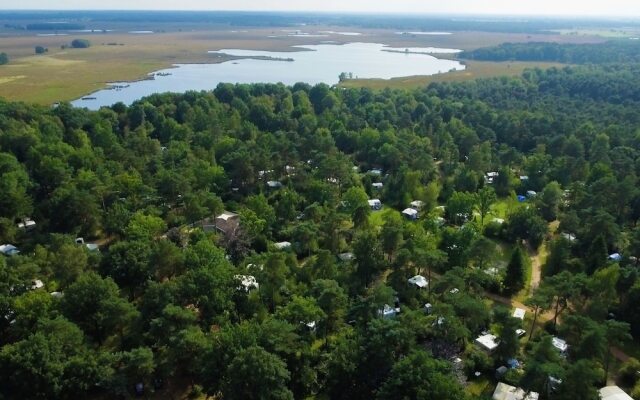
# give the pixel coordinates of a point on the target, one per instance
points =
(230, 242)
(610, 52)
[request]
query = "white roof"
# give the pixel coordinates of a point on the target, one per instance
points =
(419, 280)
(524, 177)
(498, 221)
(492, 174)
(282, 245)
(374, 202)
(9, 249)
(375, 171)
(274, 184)
(92, 247)
(377, 184)
(613, 393)
(388, 311)
(27, 223)
(410, 212)
(559, 344)
(37, 284)
(508, 392)
(227, 215)
(488, 341)
(519, 313)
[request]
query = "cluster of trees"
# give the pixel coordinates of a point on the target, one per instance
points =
(4, 58)
(41, 50)
(164, 301)
(610, 52)
(80, 43)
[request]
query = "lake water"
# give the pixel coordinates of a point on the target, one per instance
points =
(311, 64)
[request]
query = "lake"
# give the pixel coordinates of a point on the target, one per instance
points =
(309, 63)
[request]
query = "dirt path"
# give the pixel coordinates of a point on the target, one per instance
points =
(536, 270)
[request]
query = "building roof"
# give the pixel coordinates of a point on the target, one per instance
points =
(615, 257)
(387, 311)
(613, 393)
(227, 215)
(488, 341)
(282, 245)
(417, 204)
(419, 280)
(374, 202)
(274, 184)
(559, 344)
(519, 313)
(410, 212)
(9, 249)
(346, 256)
(27, 223)
(377, 185)
(508, 392)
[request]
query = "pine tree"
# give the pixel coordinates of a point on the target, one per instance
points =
(514, 277)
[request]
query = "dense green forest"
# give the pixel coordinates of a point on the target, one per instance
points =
(235, 312)
(613, 51)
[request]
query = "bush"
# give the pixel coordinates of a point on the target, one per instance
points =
(80, 44)
(629, 372)
(41, 50)
(4, 58)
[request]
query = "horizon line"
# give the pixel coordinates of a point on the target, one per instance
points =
(339, 12)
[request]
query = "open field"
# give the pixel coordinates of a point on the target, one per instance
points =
(474, 70)
(66, 74)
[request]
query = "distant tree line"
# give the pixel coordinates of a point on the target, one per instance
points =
(613, 51)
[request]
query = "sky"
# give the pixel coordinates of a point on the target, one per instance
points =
(625, 8)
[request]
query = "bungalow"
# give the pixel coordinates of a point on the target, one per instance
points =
(613, 393)
(487, 342)
(247, 282)
(508, 392)
(388, 312)
(377, 185)
(524, 178)
(531, 193)
(225, 223)
(375, 204)
(428, 308)
(410, 213)
(519, 313)
(417, 204)
(282, 245)
(9, 250)
(419, 281)
(36, 284)
(274, 184)
(560, 344)
(27, 224)
(375, 171)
